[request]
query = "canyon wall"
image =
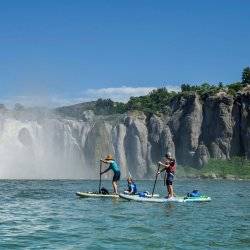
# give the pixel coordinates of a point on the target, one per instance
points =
(60, 145)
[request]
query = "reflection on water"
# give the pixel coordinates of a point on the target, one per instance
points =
(170, 208)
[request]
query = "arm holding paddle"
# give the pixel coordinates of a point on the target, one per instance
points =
(106, 170)
(163, 169)
(104, 161)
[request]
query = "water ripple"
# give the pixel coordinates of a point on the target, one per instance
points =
(48, 215)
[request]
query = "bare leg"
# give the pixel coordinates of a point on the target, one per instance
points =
(114, 183)
(171, 191)
(168, 191)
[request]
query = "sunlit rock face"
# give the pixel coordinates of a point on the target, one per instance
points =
(186, 124)
(53, 146)
(218, 126)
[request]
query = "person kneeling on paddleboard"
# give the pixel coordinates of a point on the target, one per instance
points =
(132, 189)
(116, 169)
(170, 168)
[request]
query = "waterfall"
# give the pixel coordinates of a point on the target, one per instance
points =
(35, 146)
(46, 149)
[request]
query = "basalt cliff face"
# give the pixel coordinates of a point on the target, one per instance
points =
(61, 146)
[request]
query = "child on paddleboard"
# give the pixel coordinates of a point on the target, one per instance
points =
(170, 168)
(115, 168)
(132, 189)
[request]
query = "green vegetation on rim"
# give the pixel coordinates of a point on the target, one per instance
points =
(158, 100)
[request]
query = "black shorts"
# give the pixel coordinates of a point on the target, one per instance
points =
(169, 179)
(116, 176)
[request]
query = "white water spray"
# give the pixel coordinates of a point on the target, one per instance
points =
(42, 150)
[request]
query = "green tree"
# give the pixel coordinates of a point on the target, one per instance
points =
(185, 87)
(220, 85)
(104, 106)
(246, 75)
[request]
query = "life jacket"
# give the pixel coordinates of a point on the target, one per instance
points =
(132, 188)
(172, 166)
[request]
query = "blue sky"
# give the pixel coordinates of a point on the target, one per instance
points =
(66, 51)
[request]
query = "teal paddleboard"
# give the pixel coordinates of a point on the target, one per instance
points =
(164, 200)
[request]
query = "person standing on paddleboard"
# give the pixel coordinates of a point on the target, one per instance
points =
(170, 168)
(116, 169)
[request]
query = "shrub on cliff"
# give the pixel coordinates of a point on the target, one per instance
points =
(246, 75)
(156, 101)
(204, 90)
(234, 88)
(107, 107)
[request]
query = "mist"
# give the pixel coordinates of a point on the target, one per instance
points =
(34, 145)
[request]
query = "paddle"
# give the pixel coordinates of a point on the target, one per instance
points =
(100, 180)
(156, 176)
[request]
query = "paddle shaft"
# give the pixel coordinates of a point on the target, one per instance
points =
(156, 176)
(100, 180)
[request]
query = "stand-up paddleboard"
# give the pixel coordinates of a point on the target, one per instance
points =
(100, 195)
(198, 199)
(96, 195)
(144, 194)
(163, 200)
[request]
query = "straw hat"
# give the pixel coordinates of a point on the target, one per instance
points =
(109, 157)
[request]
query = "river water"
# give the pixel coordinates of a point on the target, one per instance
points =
(48, 215)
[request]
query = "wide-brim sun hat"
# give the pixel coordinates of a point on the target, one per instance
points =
(109, 157)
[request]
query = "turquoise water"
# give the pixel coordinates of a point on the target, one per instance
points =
(48, 215)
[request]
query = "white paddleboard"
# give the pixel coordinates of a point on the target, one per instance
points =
(163, 200)
(145, 193)
(96, 195)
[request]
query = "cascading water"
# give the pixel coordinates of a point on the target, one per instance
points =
(48, 146)
(44, 149)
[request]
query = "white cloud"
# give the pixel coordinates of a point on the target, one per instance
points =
(121, 94)
(118, 94)
(122, 90)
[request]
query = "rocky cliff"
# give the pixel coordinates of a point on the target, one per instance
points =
(68, 146)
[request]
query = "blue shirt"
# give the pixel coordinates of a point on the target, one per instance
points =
(114, 166)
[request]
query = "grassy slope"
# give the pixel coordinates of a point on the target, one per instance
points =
(236, 168)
